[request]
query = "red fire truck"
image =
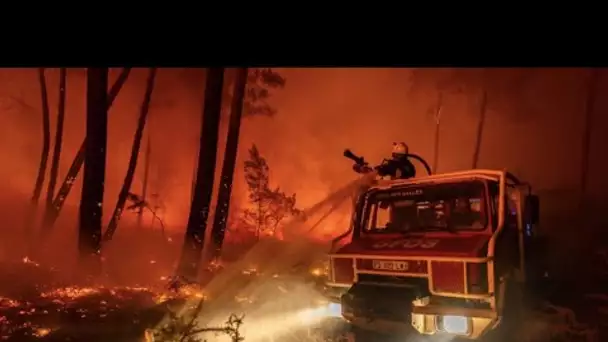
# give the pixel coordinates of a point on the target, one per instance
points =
(445, 254)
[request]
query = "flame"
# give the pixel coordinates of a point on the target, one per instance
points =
(215, 265)
(27, 260)
(65, 299)
(70, 292)
(9, 303)
(185, 291)
(252, 270)
(41, 332)
(149, 335)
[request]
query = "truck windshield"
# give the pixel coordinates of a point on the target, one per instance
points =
(449, 207)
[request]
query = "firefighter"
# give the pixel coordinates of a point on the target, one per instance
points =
(399, 166)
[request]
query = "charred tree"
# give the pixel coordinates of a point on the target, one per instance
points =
(483, 108)
(232, 142)
(144, 191)
(78, 161)
(91, 202)
(44, 157)
(199, 211)
(58, 141)
(193, 181)
(139, 132)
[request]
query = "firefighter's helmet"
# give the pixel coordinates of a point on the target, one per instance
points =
(400, 149)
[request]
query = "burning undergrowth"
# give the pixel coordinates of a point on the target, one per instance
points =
(36, 303)
(285, 307)
(271, 299)
(42, 303)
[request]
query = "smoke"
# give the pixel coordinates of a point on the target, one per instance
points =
(320, 112)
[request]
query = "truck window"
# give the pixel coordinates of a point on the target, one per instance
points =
(510, 207)
(444, 206)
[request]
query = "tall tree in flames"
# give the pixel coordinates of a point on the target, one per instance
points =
(46, 141)
(250, 95)
(230, 153)
(91, 202)
(58, 142)
(52, 215)
(199, 211)
(139, 132)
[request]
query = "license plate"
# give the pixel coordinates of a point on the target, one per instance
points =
(382, 265)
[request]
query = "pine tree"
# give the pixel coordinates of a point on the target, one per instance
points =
(91, 202)
(269, 207)
(58, 141)
(66, 186)
(218, 230)
(199, 211)
(139, 132)
(46, 142)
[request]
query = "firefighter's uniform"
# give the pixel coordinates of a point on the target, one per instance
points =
(399, 166)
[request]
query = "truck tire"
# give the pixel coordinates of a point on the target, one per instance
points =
(513, 314)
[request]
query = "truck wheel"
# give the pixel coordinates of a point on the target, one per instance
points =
(511, 322)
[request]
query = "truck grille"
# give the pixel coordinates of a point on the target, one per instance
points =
(366, 299)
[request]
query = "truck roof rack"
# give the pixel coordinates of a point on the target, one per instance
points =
(494, 175)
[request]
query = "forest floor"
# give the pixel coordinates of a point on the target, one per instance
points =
(35, 306)
(38, 304)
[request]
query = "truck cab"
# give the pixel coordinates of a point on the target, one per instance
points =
(438, 254)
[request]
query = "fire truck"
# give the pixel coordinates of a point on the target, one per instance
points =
(438, 255)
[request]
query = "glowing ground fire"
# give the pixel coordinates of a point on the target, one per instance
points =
(42, 314)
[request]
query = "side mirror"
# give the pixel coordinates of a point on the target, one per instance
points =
(532, 209)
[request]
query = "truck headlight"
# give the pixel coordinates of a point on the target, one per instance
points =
(334, 310)
(317, 272)
(457, 325)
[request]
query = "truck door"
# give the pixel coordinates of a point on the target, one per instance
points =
(507, 244)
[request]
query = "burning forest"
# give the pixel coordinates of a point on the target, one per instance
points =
(152, 204)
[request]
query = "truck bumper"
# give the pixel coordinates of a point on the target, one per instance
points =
(469, 323)
(428, 320)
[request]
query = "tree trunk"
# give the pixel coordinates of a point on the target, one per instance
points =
(193, 182)
(199, 210)
(232, 142)
(91, 202)
(437, 126)
(78, 161)
(483, 108)
(144, 191)
(46, 137)
(58, 141)
(587, 126)
(126, 185)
